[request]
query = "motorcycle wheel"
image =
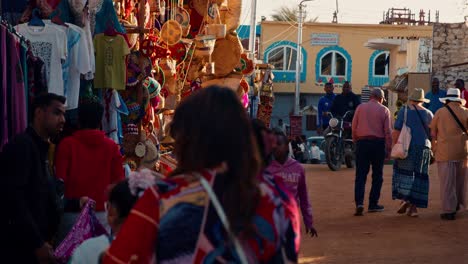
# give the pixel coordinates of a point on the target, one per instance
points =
(350, 163)
(331, 155)
(350, 159)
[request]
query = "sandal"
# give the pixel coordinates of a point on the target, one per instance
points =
(403, 207)
(413, 212)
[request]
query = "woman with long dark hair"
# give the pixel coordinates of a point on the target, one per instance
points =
(180, 219)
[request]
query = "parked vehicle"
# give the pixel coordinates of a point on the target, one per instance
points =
(339, 147)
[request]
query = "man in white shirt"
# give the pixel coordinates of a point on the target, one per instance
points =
(315, 153)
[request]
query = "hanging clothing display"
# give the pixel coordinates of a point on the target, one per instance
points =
(110, 61)
(50, 44)
(77, 62)
(13, 85)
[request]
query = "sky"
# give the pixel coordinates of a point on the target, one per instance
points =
(360, 11)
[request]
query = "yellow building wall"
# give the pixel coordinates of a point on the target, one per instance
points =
(352, 38)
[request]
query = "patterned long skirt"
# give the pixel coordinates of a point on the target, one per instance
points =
(410, 181)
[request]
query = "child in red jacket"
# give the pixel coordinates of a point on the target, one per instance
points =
(88, 162)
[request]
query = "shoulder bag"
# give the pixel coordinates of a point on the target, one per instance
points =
(427, 133)
(462, 127)
(400, 149)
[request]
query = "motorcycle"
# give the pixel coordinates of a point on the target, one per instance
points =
(339, 147)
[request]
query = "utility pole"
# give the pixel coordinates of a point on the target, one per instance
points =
(299, 56)
(336, 11)
(253, 27)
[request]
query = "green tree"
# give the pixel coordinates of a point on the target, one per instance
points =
(290, 14)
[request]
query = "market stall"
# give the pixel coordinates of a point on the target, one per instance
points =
(141, 58)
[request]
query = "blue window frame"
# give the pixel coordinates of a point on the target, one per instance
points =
(283, 55)
(378, 68)
(333, 64)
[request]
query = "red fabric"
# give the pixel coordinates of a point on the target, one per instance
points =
(464, 95)
(88, 162)
(53, 3)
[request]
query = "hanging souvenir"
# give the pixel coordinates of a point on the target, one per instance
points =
(159, 76)
(171, 85)
(245, 65)
(151, 155)
(154, 88)
(245, 85)
(182, 16)
(131, 22)
(232, 15)
(148, 46)
(171, 32)
(168, 66)
(204, 45)
(225, 64)
(178, 52)
(215, 26)
(139, 66)
(143, 14)
(196, 20)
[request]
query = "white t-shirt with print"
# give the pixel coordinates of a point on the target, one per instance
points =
(81, 64)
(49, 43)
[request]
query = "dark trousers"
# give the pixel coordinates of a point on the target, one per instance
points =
(369, 152)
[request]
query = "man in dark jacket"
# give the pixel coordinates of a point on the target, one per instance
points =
(346, 101)
(30, 196)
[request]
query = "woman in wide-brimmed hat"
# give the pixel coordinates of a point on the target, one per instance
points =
(410, 182)
(451, 152)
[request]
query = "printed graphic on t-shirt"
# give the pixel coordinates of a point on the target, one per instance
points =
(290, 177)
(43, 50)
(109, 58)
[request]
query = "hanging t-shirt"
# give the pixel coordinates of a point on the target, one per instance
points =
(49, 43)
(110, 61)
(113, 108)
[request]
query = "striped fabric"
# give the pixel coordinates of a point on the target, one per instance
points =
(410, 180)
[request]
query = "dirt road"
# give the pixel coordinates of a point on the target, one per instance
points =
(378, 237)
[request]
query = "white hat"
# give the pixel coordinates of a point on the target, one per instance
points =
(453, 95)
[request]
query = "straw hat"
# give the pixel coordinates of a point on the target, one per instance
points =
(453, 95)
(418, 96)
(225, 64)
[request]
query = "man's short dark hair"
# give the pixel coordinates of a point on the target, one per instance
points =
(90, 114)
(462, 82)
(280, 133)
(44, 100)
(328, 84)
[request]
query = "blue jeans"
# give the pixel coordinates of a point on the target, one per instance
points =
(369, 152)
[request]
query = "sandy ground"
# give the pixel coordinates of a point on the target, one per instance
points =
(378, 237)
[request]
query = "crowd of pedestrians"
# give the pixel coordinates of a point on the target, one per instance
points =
(238, 186)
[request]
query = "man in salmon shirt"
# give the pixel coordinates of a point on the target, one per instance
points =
(88, 162)
(293, 175)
